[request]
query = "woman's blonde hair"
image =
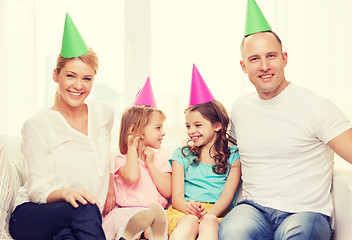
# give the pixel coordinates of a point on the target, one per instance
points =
(133, 120)
(90, 58)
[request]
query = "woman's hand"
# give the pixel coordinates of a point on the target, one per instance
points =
(72, 196)
(110, 198)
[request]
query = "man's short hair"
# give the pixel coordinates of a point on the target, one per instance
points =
(276, 36)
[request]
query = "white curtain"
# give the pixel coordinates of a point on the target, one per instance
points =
(30, 41)
(17, 64)
(317, 34)
(162, 39)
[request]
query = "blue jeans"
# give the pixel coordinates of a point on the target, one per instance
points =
(249, 220)
(57, 221)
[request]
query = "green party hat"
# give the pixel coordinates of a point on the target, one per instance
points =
(255, 20)
(73, 44)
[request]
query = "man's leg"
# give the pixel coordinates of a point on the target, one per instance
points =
(305, 225)
(245, 222)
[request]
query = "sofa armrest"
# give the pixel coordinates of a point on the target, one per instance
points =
(342, 199)
(12, 146)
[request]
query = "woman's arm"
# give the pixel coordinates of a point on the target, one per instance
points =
(42, 186)
(111, 197)
(229, 190)
(39, 170)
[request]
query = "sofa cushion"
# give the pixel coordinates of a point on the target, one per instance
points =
(342, 197)
(10, 181)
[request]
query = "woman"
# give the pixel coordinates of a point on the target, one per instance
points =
(67, 156)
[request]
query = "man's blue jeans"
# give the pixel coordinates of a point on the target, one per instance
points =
(249, 220)
(59, 220)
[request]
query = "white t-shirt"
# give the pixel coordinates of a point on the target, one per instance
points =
(57, 156)
(286, 163)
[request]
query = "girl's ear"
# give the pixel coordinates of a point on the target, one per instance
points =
(217, 127)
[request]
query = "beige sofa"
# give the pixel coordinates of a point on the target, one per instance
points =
(12, 176)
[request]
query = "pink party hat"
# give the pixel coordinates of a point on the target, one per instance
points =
(145, 95)
(200, 93)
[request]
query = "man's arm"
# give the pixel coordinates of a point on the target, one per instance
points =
(342, 145)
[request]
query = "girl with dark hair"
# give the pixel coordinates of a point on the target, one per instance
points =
(205, 172)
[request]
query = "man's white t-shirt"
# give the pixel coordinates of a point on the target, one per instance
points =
(286, 163)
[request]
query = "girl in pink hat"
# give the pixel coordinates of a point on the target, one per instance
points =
(205, 172)
(142, 174)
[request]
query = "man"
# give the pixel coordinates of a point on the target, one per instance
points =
(286, 136)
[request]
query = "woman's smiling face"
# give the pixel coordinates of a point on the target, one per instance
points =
(75, 81)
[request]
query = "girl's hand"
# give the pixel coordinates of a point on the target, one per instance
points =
(202, 210)
(203, 213)
(133, 142)
(193, 208)
(149, 155)
(74, 195)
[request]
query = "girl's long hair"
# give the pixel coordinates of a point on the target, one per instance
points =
(214, 112)
(135, 118)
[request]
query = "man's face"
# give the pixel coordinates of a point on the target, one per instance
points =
(264, 63)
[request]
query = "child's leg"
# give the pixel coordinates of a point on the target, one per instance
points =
(136, 224)
(159, 226)
(209, 228)
(186, 228)
(109, 225)
(116, 219)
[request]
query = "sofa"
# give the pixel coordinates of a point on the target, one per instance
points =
(12, 177)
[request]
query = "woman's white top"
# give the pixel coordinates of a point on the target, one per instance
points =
(56, 156)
